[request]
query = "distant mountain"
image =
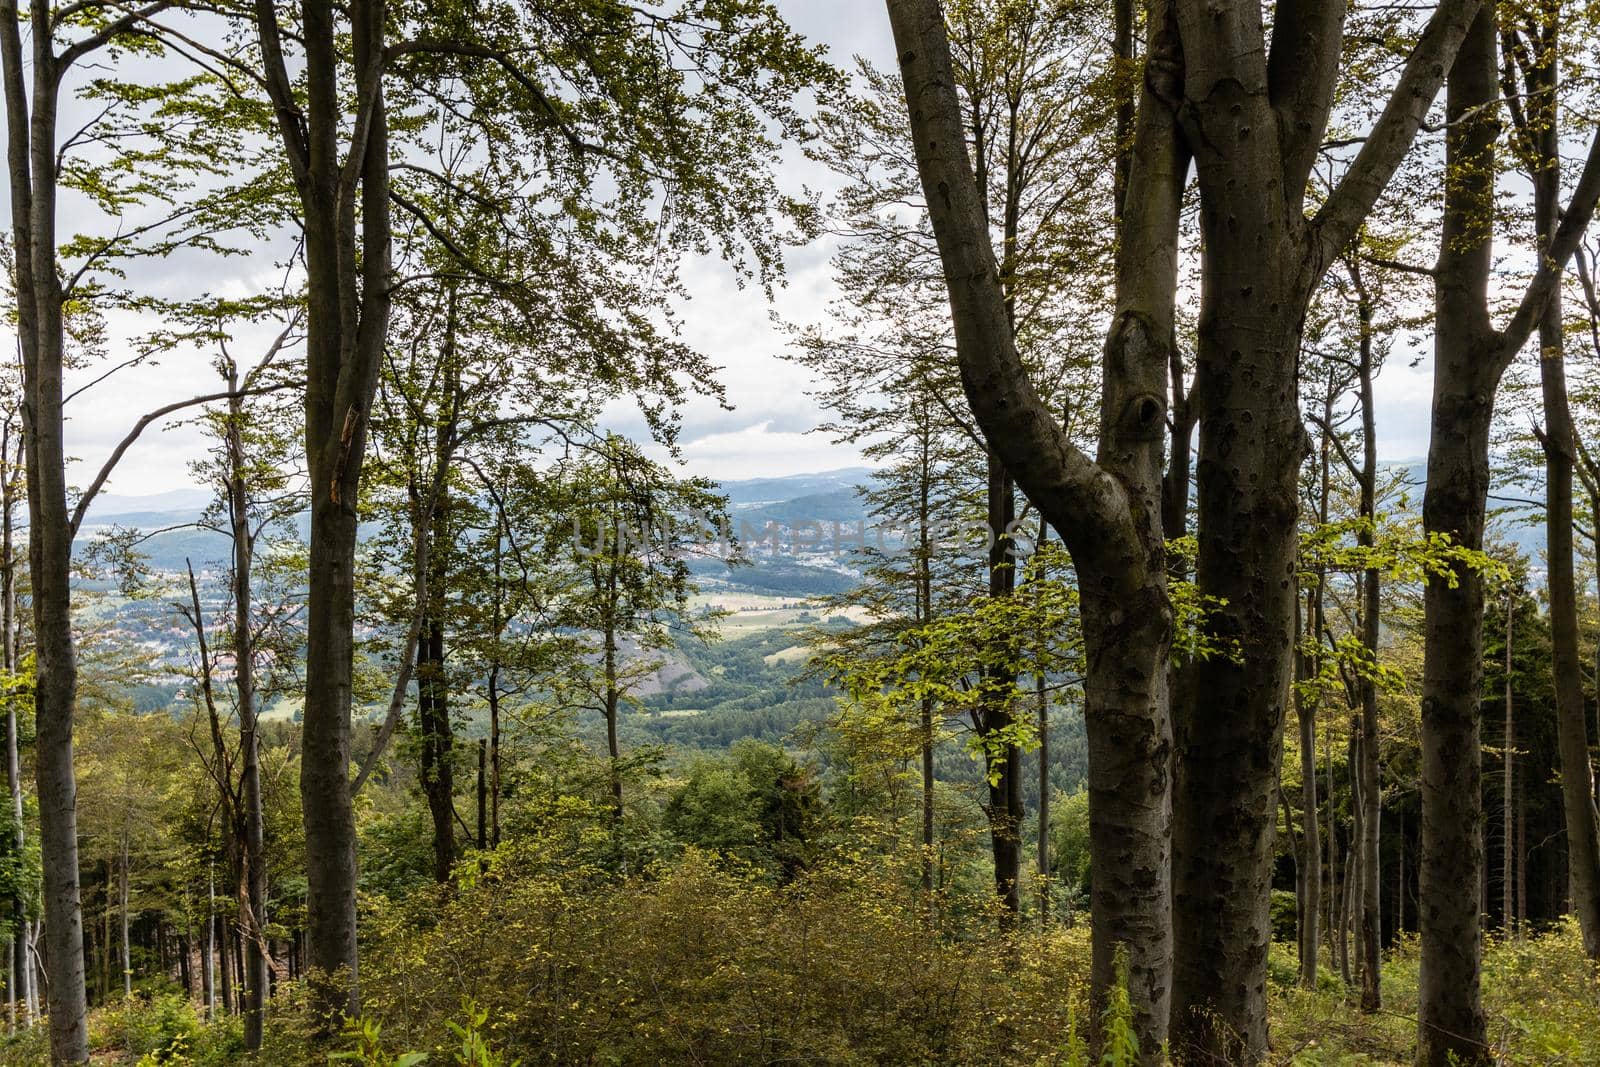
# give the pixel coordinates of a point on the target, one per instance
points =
(109, 508)
(824, 498)
(790, 487)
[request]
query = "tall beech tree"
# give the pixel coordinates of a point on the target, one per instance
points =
(659, 106)
(1108, 514)
(1531, 49)
(1254, 119)
(1470, 358)
(155, 123)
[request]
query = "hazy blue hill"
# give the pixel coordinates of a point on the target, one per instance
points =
(788, 487)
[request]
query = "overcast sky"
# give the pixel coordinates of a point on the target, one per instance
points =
(766, 433)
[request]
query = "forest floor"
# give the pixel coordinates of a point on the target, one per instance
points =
(703, 966)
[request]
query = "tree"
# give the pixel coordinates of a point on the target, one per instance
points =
(1110, 522)
(1531, 43)
(40, 165)
(623, 528)
(624, 130)
(1470, 358)
(1032, 102)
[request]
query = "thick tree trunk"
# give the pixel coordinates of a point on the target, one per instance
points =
(348, 299)
(41, 336)
(1450, 1011)
(1108, 516)
(1230, 733)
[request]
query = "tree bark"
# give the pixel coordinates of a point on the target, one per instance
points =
(122, 902)
(1107, 513)
(1558, 439)
(1508, 843)
(433, 706)
(252, 828)
(1450, 1011)
(41, 336)
(995, 717)
(347, 258)
(1310, 873)
(1255, 118)
(1369, 929)
(10, 479)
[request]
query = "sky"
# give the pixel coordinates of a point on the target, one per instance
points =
(768, 431)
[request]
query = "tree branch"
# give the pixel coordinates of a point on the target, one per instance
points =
(139, 427)
(1353, 198)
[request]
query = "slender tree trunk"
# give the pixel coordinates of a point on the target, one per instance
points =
(208, 957)
(224, 941)
(1309, 879)
(1042, 700)
(122, 907)
(1582, 820)
(1370, 929)
(41, 335)
(924, 609)
(1400, 876)
(1002, 760)
(1508, 844)
(483, 794)
(252, 828)
(1522, 857)
(1352, 859)
(613, 705)
(10, 477)
(494, 689)
(438, 778)
(433, 683)
(494, 755)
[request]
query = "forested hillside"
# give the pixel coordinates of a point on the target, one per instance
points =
(772, 531)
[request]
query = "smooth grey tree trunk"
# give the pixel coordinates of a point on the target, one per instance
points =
(31, 145)
(348, 302)
(1255, 117)
(1541, 77)
(252, 831)
(1470, 357)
